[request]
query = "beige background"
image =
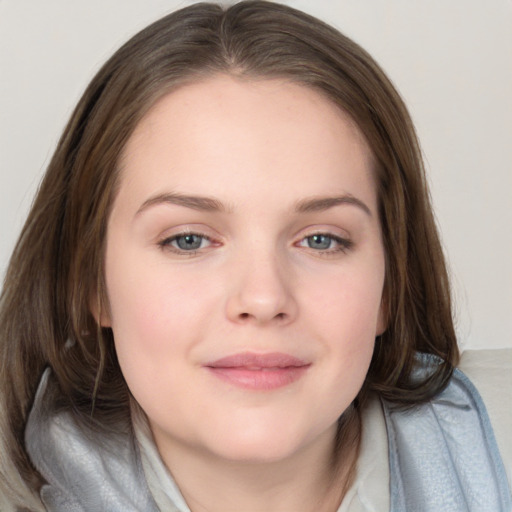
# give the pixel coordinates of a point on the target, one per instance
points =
(451, 60)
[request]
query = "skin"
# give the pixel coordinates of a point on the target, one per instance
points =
(259, 282)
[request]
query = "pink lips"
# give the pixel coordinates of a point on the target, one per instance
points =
(259, 371)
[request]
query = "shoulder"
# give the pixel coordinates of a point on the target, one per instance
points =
(84, 469)
(491, 373)
(449, 444)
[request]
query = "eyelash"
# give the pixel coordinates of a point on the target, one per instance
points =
(342, 244)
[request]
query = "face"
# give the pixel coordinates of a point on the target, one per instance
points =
(244, 268)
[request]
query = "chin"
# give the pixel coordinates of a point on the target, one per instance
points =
(256, 453)
(258, 445)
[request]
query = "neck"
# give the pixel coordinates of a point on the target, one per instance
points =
(314, 479)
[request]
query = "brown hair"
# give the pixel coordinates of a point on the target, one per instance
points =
(56, 270)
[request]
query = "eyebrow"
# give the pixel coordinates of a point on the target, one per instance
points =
(210, 204)
(207, 204)
(317, 204)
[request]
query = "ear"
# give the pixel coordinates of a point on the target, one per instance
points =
(383, 318)
(99, 310)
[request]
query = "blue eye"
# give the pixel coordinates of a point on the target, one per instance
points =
(187, 242)
(320, 242)
(325, 243)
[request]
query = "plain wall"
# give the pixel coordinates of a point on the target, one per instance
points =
(451, 61)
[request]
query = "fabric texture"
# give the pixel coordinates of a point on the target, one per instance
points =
(83, 474)
(442, 454)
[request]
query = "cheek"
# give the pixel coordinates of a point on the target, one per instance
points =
(152, 321)
(146, 294)
(152, 312)
(346, 316)
(349, 302)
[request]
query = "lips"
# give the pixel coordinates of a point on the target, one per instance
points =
(259, 371)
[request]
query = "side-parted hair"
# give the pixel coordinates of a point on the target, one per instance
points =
(56, 275)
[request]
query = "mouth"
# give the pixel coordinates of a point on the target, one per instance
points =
(261, 372)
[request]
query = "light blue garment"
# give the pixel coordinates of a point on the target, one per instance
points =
(83, 475)
(443, 457)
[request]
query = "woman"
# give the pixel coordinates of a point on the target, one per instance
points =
(231, 284)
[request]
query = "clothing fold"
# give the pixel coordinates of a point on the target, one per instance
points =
(438, 456)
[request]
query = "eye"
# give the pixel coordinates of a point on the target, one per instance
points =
(186, 242)
(321, 242)
(325, 242)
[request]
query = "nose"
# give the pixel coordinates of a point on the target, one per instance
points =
(261, 292)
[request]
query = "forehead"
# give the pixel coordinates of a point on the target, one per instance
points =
(210, 133)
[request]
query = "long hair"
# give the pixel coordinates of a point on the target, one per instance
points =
(56, 270)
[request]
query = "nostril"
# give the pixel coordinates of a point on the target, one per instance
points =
(279, 316)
